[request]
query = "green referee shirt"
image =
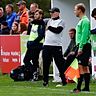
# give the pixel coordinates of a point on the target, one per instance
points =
(83, 32)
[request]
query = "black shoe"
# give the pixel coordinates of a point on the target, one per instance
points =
(76, 90)
(85, 89)
(35, 76)
(45, 84)
(64, 84)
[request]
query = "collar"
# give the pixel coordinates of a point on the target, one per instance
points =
(84, 17)
(56, 18)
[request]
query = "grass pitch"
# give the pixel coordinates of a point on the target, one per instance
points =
(10, 88)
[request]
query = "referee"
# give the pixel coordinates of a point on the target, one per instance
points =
(84, 51)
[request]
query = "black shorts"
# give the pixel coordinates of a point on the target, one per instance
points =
(83, 59)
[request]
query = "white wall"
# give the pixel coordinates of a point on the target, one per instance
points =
(93, 25)
(67, 7)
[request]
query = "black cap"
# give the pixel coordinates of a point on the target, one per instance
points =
(4, 23)
(54, 9)
(21, 2)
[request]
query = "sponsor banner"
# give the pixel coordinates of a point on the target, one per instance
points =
(9, 53)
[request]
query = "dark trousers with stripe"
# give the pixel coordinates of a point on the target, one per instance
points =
(50, 52)
(32, 57)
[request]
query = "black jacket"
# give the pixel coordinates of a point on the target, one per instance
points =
(93, 31)
(70, 48)
(5, 31)
(41, 31)
(3, 18)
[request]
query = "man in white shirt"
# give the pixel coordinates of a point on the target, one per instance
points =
(53, 46)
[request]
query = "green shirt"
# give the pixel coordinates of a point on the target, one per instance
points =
(83, 32)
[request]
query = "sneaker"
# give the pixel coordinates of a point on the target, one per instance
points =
(35, 76)
(31, 80)
(45, 84)
(56, 81)
(65, 83)
(59, 85)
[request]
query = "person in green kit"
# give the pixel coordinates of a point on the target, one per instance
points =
(84, 47)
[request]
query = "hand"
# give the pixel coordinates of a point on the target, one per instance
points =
(79, 52)
(90, 60)
(72, 53)
(24, 33)
(47, 28)
(65, 58)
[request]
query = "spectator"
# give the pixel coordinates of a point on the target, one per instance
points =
(2, 16)
(22, 16)
(11, 15)
(53, 46)
(94, 13)
(72, 32)
(84, 50)
(94, 16)
(33, 8)
(69, 55)
(71, 51)
(14, 29)
(36, 30)
(4, 28)
(23, 28)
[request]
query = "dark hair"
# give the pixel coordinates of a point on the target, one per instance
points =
(10, 5)
(16, 24)
(72, 29)
(81, 6)
(93, 12)
(23, 27)
(4, 23)
(12, 31)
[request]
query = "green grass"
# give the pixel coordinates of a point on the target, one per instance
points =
(10, 88)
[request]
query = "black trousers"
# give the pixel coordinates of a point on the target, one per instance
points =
(32, 57)
(69, 60)
(50, 52)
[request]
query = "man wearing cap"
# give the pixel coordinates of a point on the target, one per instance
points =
(22, 16)
(53, 46)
